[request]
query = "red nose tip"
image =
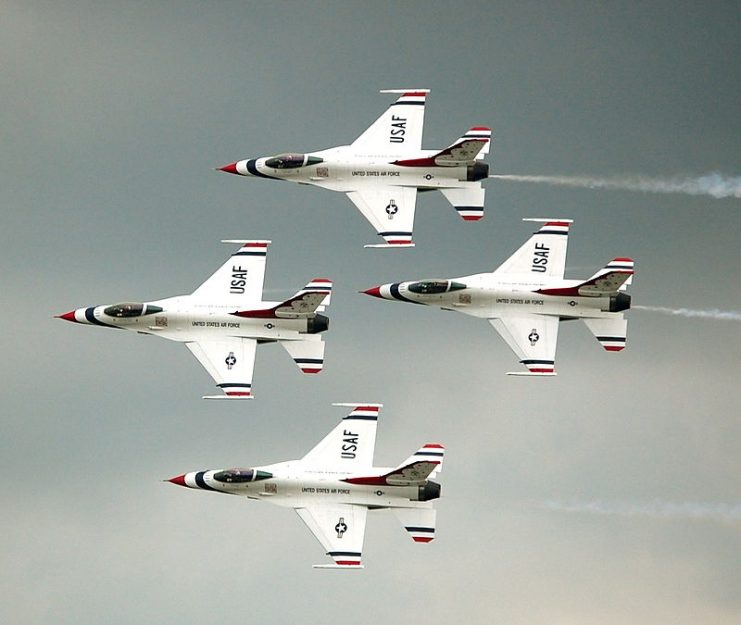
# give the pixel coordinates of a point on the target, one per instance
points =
(179, 480)
(374, 291)
(231, 168)
(70, 316)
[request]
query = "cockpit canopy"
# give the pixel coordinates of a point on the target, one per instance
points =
(239, 476)
(291, 161)
(131, 310)
(431, 287)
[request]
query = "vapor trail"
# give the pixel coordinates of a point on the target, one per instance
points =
(722, 315)
(714, 185)
(722, 512)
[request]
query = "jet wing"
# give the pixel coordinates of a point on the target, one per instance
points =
(340, 528)
(230, 362)
(350, 445)
(398, 130)
(533, 338)
(240, 279)
(543, 255)
(390, 210)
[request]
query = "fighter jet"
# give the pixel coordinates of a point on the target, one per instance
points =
(334, 485)
(382, 170)
(223, 320)
(527, 296)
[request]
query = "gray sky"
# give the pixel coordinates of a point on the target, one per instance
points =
(609, 494)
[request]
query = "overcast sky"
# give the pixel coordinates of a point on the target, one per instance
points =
(610, 494)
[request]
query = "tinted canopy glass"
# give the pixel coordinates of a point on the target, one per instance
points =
(238, 476)
(285, 161)
(430, 287)
(131, 309)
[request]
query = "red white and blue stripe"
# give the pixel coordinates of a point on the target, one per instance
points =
(253, 248)
(420, 534)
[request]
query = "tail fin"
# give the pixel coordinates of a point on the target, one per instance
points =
(419, 522)
(611, 333)
(308, 353)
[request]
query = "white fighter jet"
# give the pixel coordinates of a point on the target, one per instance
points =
(223, 320)
(527, 296)
(382, 170)
(335, 484)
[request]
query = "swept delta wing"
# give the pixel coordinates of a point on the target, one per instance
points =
(340, 528)
(350, 445)
(399, 129)
(240, 279)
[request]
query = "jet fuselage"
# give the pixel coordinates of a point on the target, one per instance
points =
(339, 170)
(288, 484)
(480, 295)
(180, 319)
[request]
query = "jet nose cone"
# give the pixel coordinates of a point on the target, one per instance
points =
(179, 480)
(70, 316)
(374, 291)
(231, 168)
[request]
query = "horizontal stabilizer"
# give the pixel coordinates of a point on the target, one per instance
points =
(313, 297)
(308, 353)
(471, 146)
(611, 333)
(430, 451)
(610, 280)
(307, 301)
(415, 470)
(468, 201)
(418, 522)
